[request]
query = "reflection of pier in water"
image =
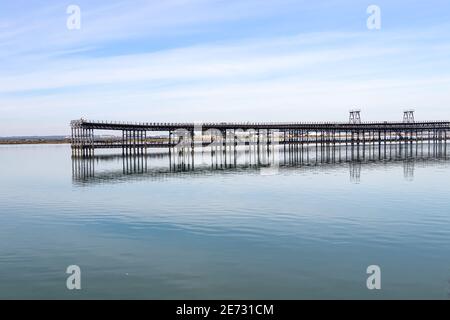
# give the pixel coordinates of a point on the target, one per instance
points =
(210, 161)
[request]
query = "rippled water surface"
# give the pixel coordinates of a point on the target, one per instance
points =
(226, 225)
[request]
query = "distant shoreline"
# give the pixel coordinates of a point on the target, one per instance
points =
(18, 142)
(34, 140)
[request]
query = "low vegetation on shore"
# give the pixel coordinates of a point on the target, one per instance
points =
(34, 140)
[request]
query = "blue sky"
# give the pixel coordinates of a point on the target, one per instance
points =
(220, 60)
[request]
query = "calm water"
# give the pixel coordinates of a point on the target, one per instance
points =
(225, 225)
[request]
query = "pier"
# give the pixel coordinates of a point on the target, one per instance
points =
(135, 138)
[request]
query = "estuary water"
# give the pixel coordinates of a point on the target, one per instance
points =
(295, 223)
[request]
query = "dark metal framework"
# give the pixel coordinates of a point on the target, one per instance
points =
(134, 139)
(355, 116)
(408, 116)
